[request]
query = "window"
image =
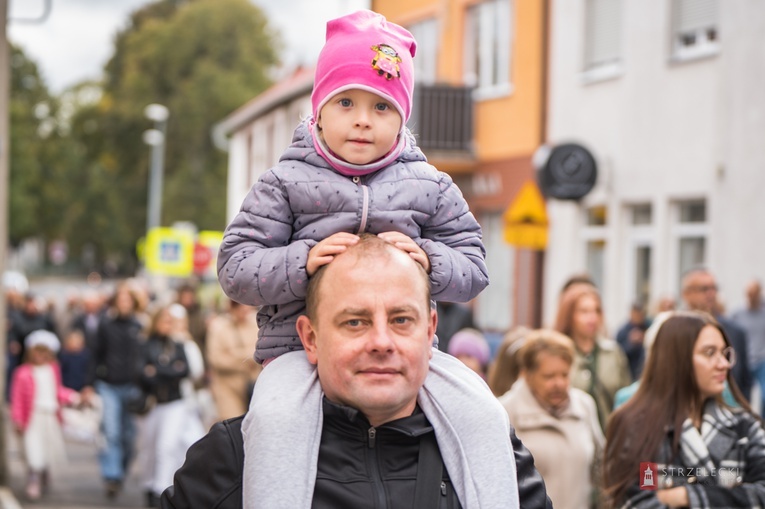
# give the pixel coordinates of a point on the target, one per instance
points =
(597, 216)
(691, 232)
(641, 214)
(596, 253)
(594, 234)
(694, 28)
(487, 48)
(425, 63)
(642, 273)
(640, 239)
(603, 29)
(693, 211)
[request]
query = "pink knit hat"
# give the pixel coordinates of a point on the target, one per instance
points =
(366, 52)
(470, 342)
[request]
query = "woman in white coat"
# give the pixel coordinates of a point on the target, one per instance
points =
(558, 423)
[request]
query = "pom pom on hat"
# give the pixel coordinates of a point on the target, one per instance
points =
(364, 51)
(44, 338)
(469, 342)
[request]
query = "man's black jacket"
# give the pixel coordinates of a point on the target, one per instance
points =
(211, 477)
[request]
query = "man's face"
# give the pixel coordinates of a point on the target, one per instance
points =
(372, 333)
(700, 292)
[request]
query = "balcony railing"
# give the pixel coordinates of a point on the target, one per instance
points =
(442, 118)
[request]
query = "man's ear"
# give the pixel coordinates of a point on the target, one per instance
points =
(307, 335)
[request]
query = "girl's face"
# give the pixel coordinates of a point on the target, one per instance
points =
(587, 319)
(40, 355)
(358, 126)
(712, 359)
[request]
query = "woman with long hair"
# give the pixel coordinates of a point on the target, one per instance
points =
(600, 367)
(170, 426)
(676, 442)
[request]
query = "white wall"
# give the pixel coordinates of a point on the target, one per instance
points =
(662, 131)
(265, 139)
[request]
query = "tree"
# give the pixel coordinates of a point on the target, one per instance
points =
(38, 176)
(202, 60)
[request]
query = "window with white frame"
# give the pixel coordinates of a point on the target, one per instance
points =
(594, 233)
(603, 34)
(487, 48)
(690, 231)
(426, 60)
(694, 28)
(640, 256)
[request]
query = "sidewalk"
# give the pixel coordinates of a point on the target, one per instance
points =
(77, 485)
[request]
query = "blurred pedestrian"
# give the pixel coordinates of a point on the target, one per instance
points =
(676, 442)
(170, 427)
(699, 288)
(37, 395)
(194, 386)
(600, 367)
(751, 318)
(558, 423)
(452, 317)
(506, 367)
(470, 347)
(112, 375)
(197, 325)
(74, 359)
(231, 340)
(630, 338)
(32, 316)
(89, 317)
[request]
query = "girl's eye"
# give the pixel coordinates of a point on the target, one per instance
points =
(345, 102)
(381, 106)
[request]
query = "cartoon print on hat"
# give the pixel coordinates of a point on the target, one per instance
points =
(385, 62)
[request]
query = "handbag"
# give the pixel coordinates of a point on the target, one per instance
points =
(140, 402)
(82, 423)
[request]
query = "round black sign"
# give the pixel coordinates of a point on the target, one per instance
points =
(568, 173)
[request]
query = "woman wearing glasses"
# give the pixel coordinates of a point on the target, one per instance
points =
(675, 442)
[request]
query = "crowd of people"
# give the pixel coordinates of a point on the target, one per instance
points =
(364, 377)
(155, 370)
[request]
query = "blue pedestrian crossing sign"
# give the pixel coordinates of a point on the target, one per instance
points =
(170, 252)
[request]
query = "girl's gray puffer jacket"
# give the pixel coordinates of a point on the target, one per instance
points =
(302, 200)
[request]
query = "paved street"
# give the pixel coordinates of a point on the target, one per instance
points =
(77, 485)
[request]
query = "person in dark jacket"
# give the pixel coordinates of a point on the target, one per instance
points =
(170, 426)
(112, 375)
(368, 337)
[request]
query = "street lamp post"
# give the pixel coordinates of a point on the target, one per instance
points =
(156, 139)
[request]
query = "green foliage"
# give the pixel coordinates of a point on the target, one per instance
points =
(84, 177)
(31, 125)
(202, 60)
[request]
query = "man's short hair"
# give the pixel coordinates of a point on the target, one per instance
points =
(369, 246)
(690, 273)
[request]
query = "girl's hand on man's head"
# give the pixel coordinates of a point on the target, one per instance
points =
(407, 244)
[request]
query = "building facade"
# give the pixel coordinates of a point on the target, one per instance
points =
(667, 95)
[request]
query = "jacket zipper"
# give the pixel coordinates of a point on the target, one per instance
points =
(364, 204)
(375, 467)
